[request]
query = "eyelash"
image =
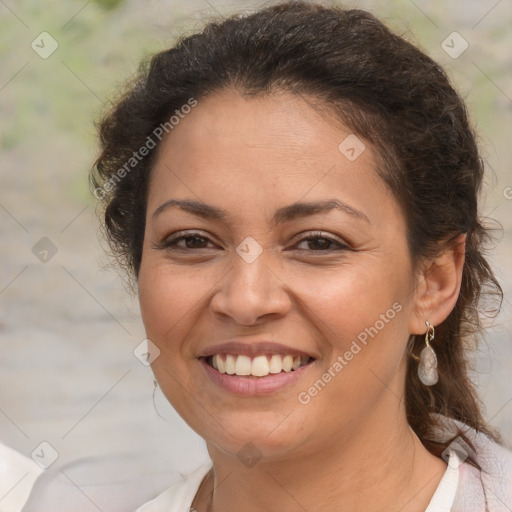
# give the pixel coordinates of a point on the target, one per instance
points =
(171, 242)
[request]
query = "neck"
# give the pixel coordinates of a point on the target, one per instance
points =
(387, 465)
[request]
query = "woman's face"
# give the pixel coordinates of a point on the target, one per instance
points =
(258, 271)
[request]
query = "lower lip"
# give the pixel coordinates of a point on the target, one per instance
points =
(254, 386)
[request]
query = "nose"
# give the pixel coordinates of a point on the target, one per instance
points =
(251, 293)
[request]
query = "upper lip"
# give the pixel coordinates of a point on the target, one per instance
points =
(253, 348)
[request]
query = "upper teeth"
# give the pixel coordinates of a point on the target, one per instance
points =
(259, 366)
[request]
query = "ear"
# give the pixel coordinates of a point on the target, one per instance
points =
(438, 286)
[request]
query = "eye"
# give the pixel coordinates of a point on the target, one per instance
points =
(191, 240)
(320, 242)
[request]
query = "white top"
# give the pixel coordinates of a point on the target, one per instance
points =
(17, 476)
(180, 496)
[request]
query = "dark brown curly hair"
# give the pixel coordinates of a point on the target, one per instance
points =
(390, 94)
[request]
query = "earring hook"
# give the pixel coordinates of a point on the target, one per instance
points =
(429, 335)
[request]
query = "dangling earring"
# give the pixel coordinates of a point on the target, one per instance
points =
(155, 387)
(427, 369)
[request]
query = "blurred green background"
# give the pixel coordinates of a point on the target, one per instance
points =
(68, 327)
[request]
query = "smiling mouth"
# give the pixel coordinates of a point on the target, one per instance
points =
(257, 366)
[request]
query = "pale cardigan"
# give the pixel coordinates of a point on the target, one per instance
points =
(488, 489)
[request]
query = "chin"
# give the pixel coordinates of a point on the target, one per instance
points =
(267, 435)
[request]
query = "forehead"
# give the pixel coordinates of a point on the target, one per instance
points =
(271, 149)
(250, 135)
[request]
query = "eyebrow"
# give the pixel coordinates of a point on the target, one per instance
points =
(284, 214)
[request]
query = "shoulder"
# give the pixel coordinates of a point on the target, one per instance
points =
(179, 497)
(492, 484)
(114, 483)
(489, 488)
(496, 474)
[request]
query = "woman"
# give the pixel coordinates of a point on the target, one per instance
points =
(295, 194)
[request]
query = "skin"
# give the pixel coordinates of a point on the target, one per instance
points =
(350, 447)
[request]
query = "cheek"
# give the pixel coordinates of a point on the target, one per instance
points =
(349, 299)
(167, 296)
(362, 313)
